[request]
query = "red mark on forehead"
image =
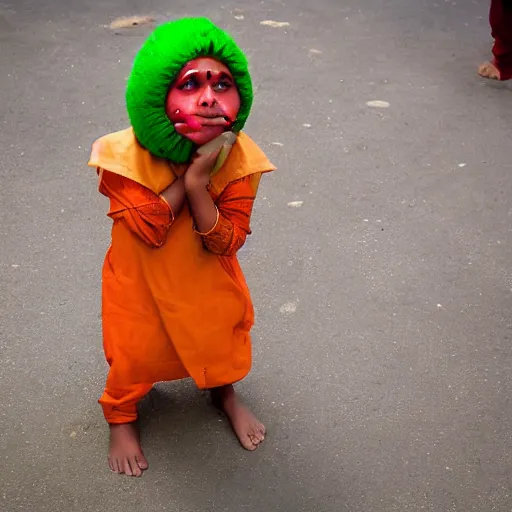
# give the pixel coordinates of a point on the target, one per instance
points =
(205, 68)
(204, 76)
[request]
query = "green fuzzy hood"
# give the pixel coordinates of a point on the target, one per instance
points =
(155, 68)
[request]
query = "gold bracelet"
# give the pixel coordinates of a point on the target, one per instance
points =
(165, 201)
(214, 226)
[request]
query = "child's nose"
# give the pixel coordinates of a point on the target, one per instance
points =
(207, 98)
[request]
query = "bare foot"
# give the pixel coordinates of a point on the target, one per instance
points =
(489, 70)
(248, 429)
(125, 454)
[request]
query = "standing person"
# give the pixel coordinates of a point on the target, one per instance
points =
(175, 301)
(500, 68)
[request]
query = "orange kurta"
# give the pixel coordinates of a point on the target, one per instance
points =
(175, 303)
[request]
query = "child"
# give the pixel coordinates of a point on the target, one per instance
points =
(175, 301)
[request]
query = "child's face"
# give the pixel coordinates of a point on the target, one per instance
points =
(203, 102)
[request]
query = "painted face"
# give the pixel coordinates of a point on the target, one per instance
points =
(203, 102)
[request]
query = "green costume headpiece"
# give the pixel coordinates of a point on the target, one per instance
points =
(155, 68)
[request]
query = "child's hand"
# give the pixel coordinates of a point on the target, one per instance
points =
(198, 173)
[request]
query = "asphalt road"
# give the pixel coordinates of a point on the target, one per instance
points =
(382, 351)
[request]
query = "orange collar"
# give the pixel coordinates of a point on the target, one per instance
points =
(121, 153)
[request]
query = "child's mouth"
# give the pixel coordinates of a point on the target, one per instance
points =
(195, 123)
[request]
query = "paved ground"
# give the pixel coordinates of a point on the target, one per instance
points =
(383, 344)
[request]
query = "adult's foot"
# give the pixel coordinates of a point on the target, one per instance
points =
(489, 70)
(125, 453)
(249, 431)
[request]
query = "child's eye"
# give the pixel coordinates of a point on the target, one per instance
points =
(188, 85)
(223, 85)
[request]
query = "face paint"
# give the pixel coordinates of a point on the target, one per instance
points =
(203, 101)
(189, 120)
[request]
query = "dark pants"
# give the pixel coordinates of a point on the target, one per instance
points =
(501, 26)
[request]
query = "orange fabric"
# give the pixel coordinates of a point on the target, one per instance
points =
(144, 212)
(182, 309)
(235, 208)
(120, 153)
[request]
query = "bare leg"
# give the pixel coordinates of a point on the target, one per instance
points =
(125, 453)
(249, 431)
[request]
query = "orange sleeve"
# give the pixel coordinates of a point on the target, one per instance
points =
(143, 211)
(233, 222)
